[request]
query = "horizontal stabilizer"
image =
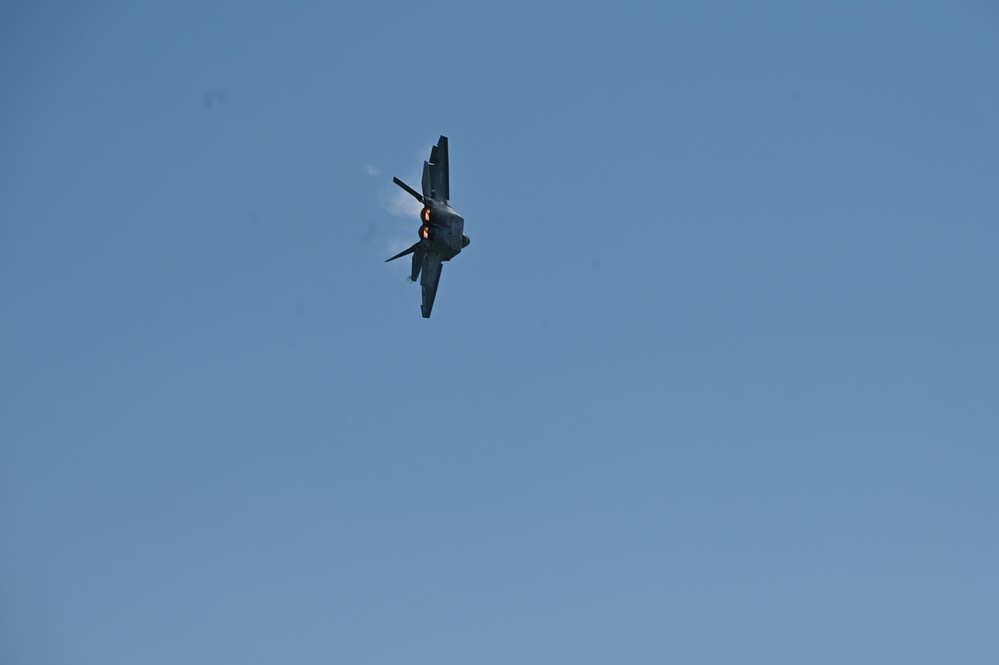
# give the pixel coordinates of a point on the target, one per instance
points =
(416, 194)
(404, 253)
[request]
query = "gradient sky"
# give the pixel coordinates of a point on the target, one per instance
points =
(715, 382)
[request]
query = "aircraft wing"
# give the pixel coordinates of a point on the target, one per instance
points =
(437, 169)
(432, 266)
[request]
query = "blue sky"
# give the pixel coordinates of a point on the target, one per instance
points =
(715, 382)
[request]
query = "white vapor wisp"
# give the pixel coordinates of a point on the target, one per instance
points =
(399, 203)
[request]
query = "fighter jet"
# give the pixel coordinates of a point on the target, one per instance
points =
(441, 231)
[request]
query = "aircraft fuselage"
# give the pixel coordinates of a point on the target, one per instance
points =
(443, 228)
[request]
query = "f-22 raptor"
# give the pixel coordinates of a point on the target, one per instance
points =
(442, 231)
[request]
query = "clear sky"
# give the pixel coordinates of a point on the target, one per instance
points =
(715, 382)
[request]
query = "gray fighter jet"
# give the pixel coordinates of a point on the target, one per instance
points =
(441, 232)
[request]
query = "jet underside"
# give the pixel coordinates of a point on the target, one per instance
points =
(442, 230)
